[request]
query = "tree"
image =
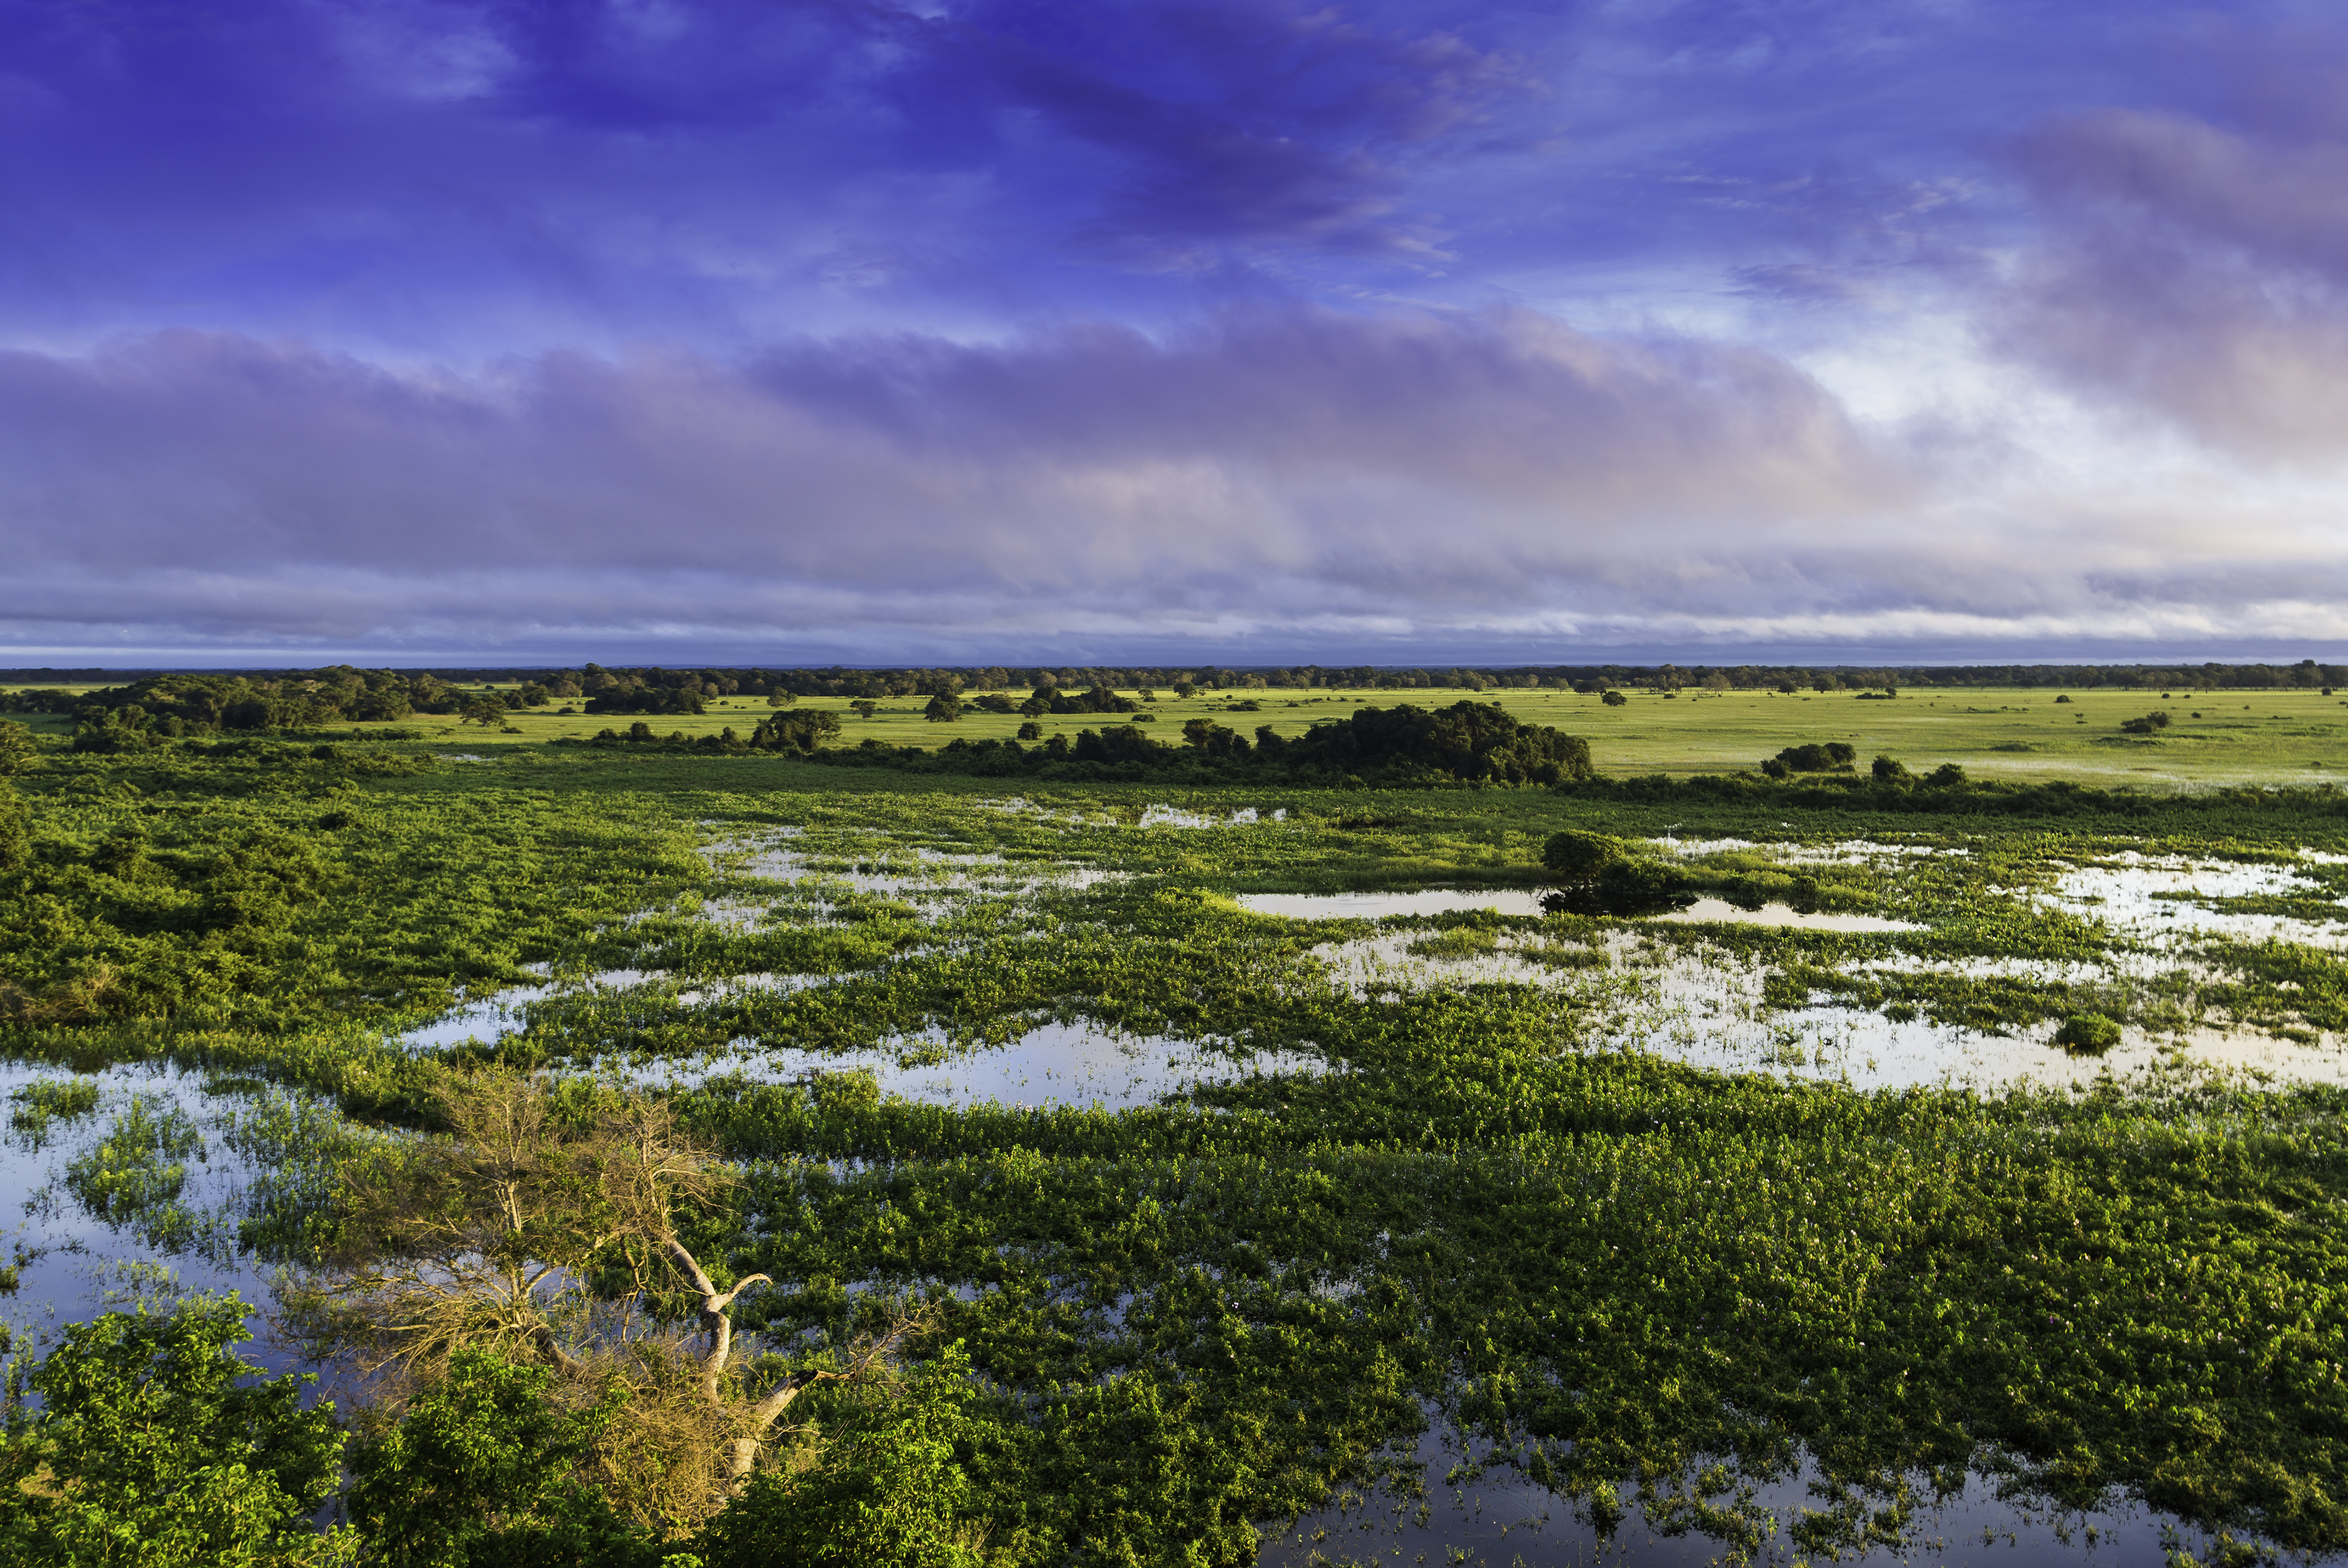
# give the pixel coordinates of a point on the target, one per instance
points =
(1831, 757)
(490, 1241)
(944, 708)
(16, 825)
(802, 732)
(148, 1447)
(781, 699)
(1577, 855)
(19, 753)
(864, 707)
(1613, 699)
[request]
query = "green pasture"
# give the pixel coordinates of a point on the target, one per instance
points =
(2215, 738)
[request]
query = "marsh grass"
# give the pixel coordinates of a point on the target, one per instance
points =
(1613, 1268)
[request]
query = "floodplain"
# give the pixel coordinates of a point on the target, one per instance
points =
(1950, 1186)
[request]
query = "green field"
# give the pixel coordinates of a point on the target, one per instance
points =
(2216, 738)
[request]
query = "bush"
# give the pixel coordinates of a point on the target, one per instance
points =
(2087, 1034)
(1580, 856)
(1832, 756)
(485, 1469)
(884, 1490)
(2150, 722)
(150, 1447)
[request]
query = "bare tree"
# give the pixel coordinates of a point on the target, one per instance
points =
(489, 1238)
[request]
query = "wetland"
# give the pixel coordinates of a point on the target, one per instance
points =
(1278, 1174)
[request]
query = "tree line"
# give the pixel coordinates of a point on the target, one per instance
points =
(177, 703)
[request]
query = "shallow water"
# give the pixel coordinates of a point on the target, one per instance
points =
(1501, 1520)
(1704, 1005)
(1844, 852)
(2121, 895)
(492, 1018)
(917, 874)
(1055, 1064)
(72, 1265)
(1519, 901)
(1172, 817)
(1720, 910)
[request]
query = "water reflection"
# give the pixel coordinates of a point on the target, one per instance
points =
(1499, 1520)
(1075, 1064)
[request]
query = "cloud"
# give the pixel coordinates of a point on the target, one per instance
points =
(1277, 466)
(2194, 270)
(1297, 476)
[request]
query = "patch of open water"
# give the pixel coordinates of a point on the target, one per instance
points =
(1378, 905)
(1721, 911)
(72, 1263)
(2123, 896)
(1521, 901)
(1499, 1520)
(1079, 1064)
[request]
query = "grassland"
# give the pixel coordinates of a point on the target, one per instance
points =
(2216, 738)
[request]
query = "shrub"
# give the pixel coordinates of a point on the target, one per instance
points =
(1831, 757)
(150, 1445)
(2087, 1034)
(1577, 855)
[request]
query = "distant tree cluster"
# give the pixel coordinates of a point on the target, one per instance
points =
(1466, 742)
(648, 699)
(801, 733)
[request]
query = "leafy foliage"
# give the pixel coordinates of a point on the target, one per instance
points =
(149, 1446)
(485, 1468)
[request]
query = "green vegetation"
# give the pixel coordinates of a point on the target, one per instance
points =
(1064, 1332)
(147, 1445)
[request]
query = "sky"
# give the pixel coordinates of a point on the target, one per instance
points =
(801, 331)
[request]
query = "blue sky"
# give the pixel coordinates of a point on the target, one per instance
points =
(1722, 329)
